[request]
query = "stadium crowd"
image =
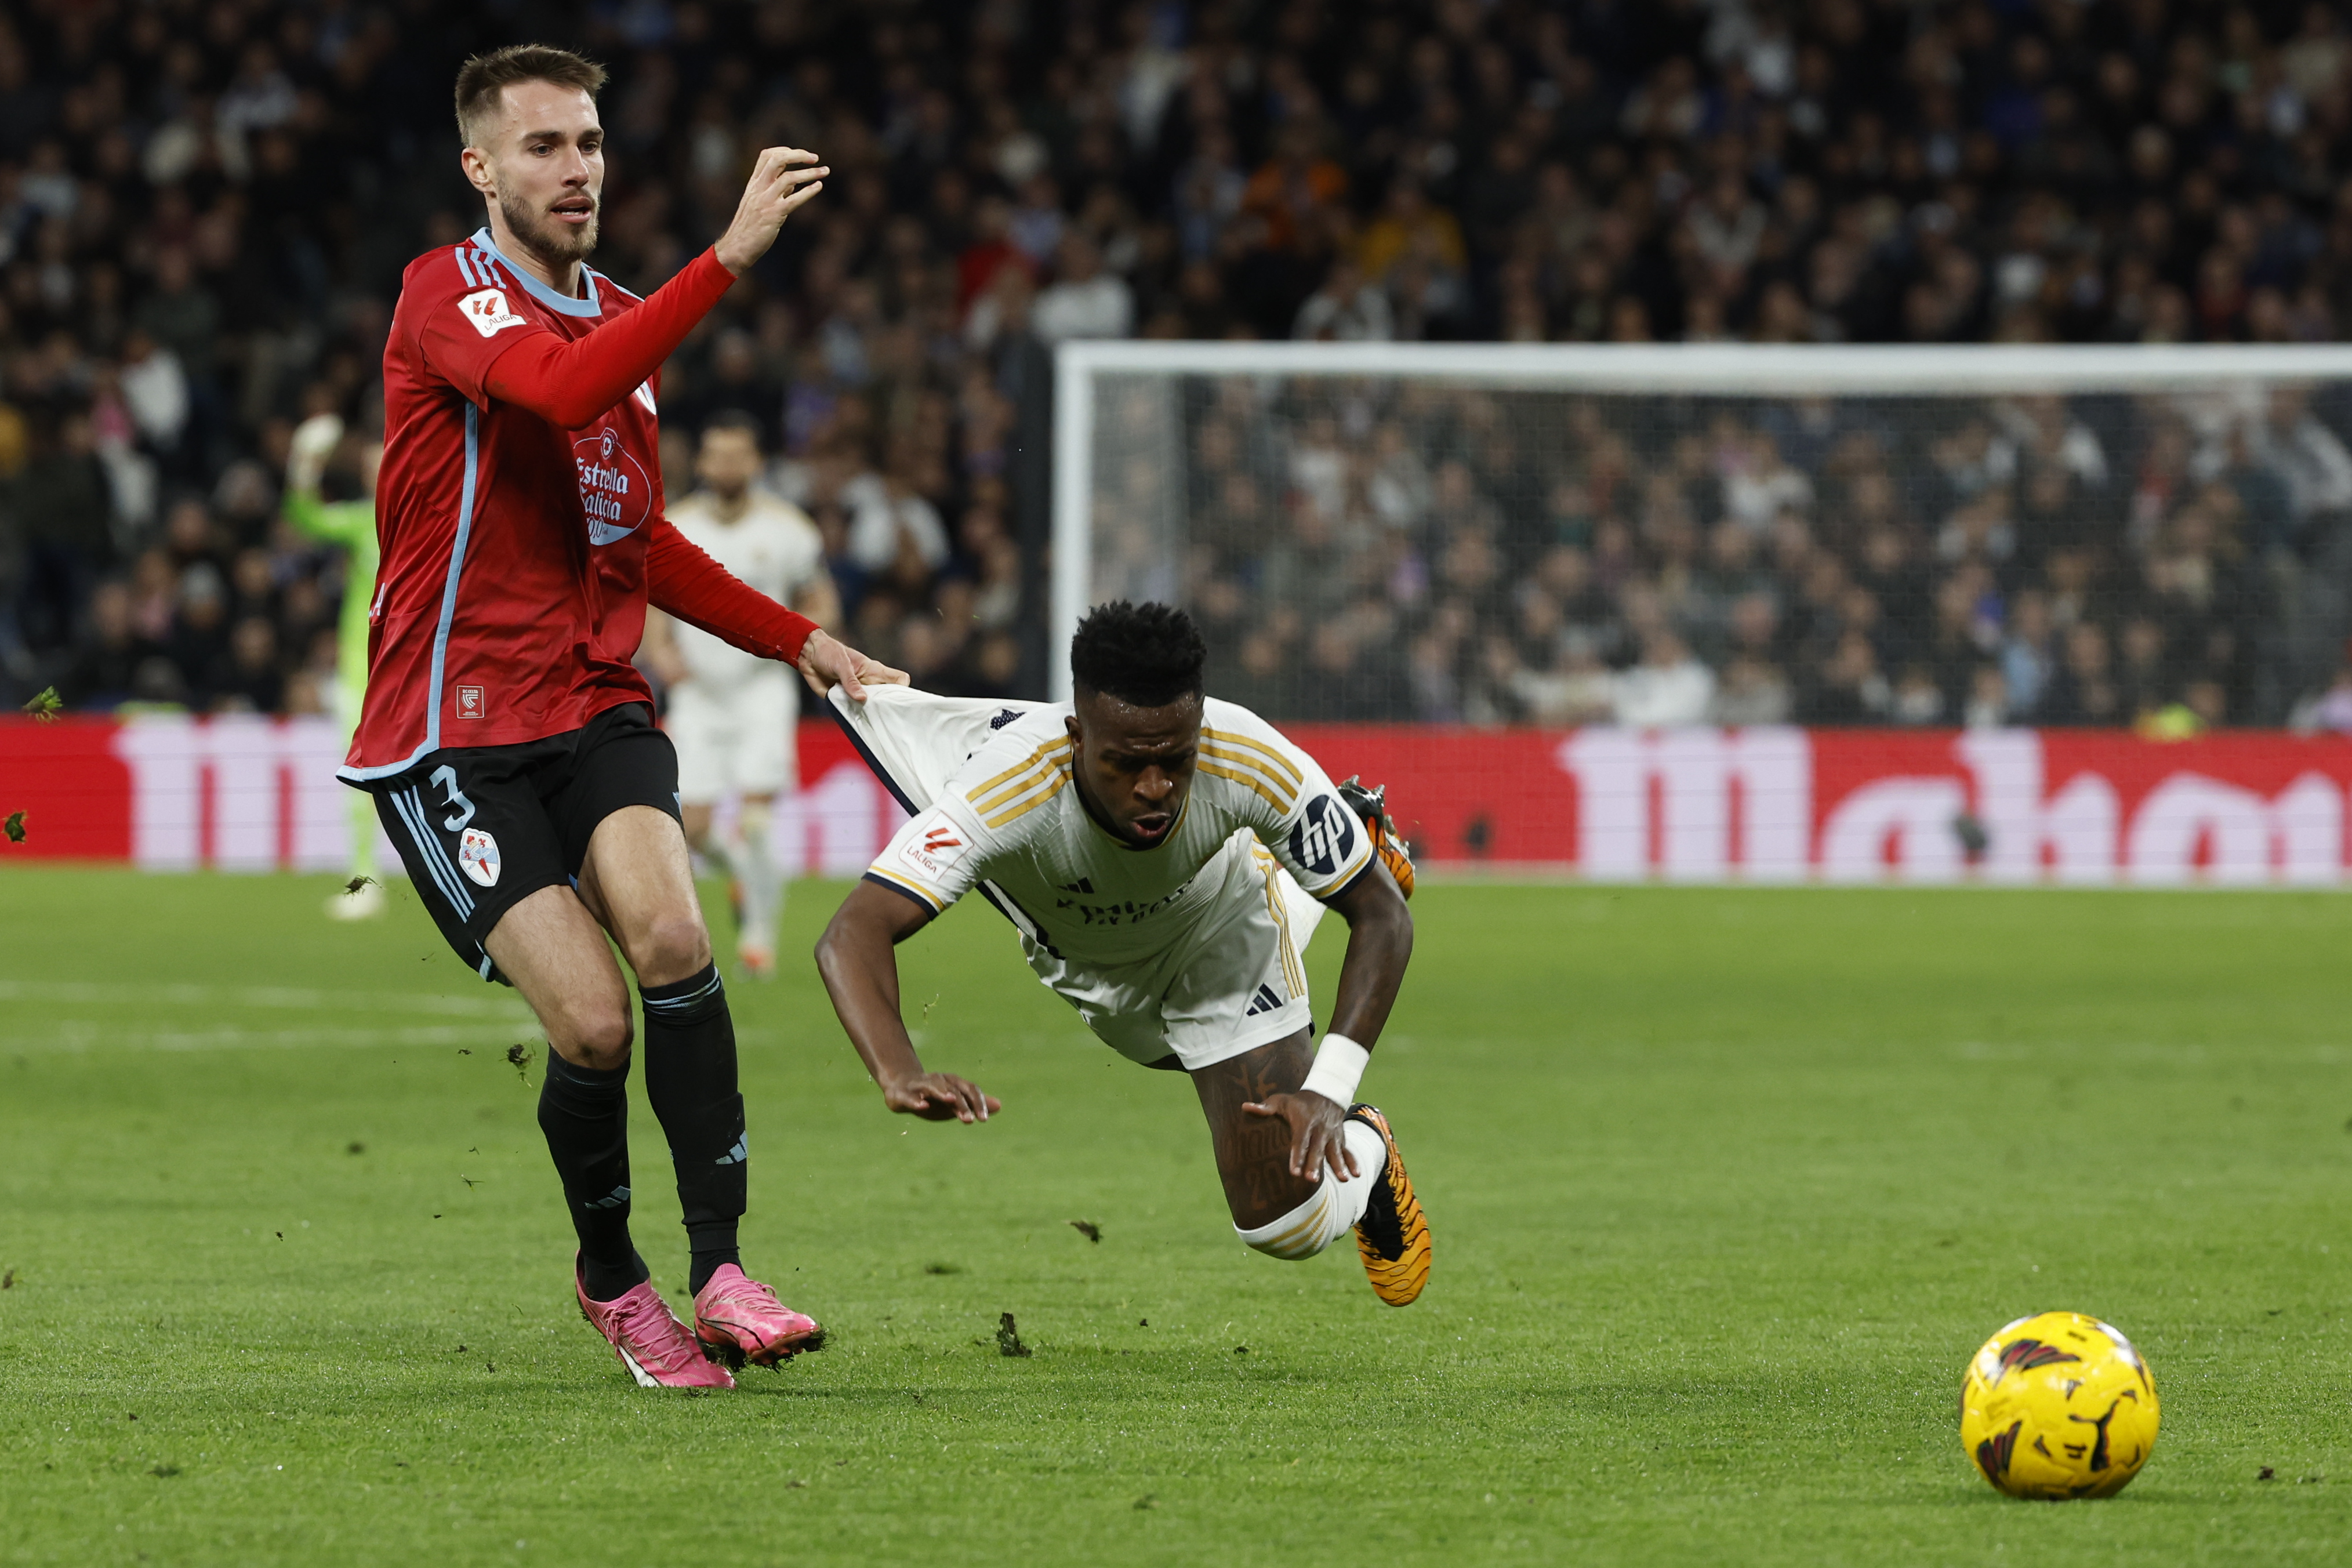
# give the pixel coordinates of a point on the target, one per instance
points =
(206, 206)
(1378, 551)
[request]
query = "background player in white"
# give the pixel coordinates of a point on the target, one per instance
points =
(732, 715)
(1161, 854)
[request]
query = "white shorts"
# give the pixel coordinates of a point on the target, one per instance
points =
(1233, 983)
(1230, 985)
(735, 739)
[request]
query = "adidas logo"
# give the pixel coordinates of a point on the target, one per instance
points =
(1266, 1001)
(611, 1200)
(738, 1155)
(1005, 718)
(1083, 885)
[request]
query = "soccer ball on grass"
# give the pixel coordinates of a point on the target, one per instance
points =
(2057, 1406)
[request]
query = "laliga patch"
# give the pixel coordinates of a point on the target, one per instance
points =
(486, 311)
(477, 857)
(934, 851)
(1324, 837)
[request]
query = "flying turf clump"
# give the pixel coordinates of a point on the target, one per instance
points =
(518, 1056)
(14, 828)
(1008, 1338)
(46, 706)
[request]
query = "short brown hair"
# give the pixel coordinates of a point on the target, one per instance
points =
(483, 77)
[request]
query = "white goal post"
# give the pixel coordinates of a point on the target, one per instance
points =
(1730, 371)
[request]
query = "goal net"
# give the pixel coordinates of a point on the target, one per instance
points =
(1906, 545)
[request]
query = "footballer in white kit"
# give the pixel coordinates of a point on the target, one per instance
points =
(1165, 857)
(731, 714)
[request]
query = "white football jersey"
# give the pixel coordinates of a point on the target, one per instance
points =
(772, 546)
(1010, 817)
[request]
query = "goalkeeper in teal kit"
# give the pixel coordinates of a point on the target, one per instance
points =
(351, 524)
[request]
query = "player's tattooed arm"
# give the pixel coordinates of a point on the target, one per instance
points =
(860, 968)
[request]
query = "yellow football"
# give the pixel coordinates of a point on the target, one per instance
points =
(2057, 1406)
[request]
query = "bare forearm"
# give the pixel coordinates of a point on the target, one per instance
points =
(861, 973)
(1380, 946)
(861, 976)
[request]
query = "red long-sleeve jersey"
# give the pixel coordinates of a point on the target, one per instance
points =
(519, 510)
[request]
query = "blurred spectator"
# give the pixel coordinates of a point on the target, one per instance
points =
(1668, 686)
(1083, 301)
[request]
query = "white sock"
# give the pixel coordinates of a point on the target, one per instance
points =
(717, 855)
(1332, 1212)
(763, 888)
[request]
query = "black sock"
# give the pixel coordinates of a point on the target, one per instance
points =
(586, 1114)
(690, 1080)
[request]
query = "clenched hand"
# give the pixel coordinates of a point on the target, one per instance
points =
(825, 663)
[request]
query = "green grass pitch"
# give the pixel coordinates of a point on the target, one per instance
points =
(1726, 1187)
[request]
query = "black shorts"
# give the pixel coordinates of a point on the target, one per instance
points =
(480, 828)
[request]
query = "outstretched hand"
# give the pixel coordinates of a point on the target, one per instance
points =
(780, 185)
(825, 663)
(940, 1097)
(1315, 1133)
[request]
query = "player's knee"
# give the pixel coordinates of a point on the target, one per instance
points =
(594, 1035)
(671, 947)
(1302, 1233)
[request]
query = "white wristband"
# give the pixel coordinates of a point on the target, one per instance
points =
(1339, 1068)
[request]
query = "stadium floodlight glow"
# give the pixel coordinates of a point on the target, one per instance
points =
(1761, 372)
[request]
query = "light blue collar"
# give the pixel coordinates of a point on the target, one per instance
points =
(562, 303)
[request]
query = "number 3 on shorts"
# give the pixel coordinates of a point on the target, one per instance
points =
(446, 777)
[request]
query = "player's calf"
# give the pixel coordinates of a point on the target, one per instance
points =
(1252, 1101)
(1328, 1213)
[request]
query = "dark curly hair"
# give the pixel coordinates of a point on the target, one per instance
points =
(1147, 655)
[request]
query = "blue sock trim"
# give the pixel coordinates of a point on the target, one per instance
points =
(683, 1001)
(592, 1081)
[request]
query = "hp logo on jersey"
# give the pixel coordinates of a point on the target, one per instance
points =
(1324, 837)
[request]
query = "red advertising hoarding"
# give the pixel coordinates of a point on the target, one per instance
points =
(1697, 805)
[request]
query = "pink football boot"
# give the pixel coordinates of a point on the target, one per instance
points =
(649, 1340)
(738, 1320)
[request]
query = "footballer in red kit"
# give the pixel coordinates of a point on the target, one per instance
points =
(508, 738)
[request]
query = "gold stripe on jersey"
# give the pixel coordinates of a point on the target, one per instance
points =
(1034, 779)
(1282, 788)
(1021, 806)
(1042, 754)
(1280, 909)
(993, 800)
(916, 889)
(1282, 764)
(1266, 792)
